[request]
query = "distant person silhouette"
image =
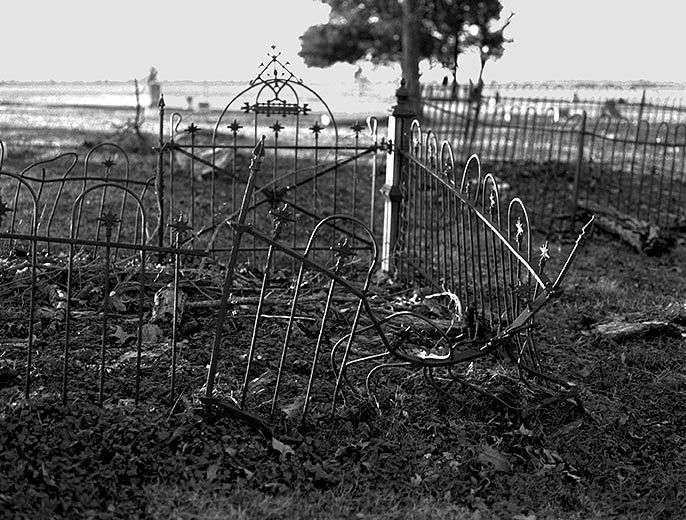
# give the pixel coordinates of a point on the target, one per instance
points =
(154, 87)
(361, 80)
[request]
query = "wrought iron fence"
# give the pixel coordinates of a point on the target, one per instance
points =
(311, 161)
(456, 234)
(86, 262)
(496, 290)
(670, 110)
(91, 243)
(566, 163)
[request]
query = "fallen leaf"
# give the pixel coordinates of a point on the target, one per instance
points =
(282, 448)
(121, 335)
(116, 302)
(151, 333)
(489, 455)
(212, 472)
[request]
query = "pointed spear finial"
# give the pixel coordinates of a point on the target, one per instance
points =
(258, 151)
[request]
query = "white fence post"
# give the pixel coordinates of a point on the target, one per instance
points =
(399, 123)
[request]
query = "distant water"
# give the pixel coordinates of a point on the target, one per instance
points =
(342, 99)
(105, 105)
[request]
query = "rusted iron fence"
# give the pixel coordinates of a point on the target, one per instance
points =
(574, 162)
(483, 264)
(311, 162)
(655, 111)
(92, 250)
(89, 245)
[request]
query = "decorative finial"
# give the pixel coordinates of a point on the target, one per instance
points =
(109, 220)
(342, 249)
(161, 104)
(545, 256)
(180, 226)
(277, 127)
(492, 203)
(316, 128)
(108, 163)
(235, 126)
(520, 231)
(357, 128)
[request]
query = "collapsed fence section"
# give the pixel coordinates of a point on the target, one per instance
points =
(567, 164)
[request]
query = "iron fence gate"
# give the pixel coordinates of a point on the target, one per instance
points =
(312, 162)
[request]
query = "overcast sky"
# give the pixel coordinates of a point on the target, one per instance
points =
(226, 39)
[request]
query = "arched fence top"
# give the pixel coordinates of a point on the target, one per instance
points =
(4, 208)
(274, 77)
(109, 162)
(110, 218)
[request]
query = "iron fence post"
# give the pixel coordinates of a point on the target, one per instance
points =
(579, 166)
(399, 123)
(641, 107)
(159, 183)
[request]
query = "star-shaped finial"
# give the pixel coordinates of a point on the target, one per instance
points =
(342, 248)
(108, 163)
(180, 226)
(192, 129)
(109, 220)
(492, 202)
(277, 127)
(280, 215)
(4, 209)
(316, 128)
(520, 229)
(545, 256)
(545, 250)
(357, 128)
(235, 126)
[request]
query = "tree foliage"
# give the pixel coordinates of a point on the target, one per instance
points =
(371, 29)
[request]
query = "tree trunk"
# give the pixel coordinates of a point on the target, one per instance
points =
(410, 53)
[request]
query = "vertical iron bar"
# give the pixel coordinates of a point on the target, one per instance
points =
(579, 166)
(160, 180)
(257, 155)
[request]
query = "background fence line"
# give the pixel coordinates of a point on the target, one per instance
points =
(577, 161)
(670, 110)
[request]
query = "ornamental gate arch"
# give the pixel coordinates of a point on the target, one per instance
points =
(314, 163)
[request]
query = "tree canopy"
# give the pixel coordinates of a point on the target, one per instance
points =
(373, 29)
